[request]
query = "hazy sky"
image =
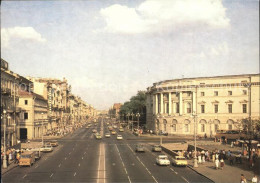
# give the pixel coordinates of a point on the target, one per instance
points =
(110, 49)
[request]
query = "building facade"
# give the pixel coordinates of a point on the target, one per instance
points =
(204, 104)
(33, 118)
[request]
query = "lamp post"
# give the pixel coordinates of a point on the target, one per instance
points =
(132, 114)
(42, 129)
(128, 120)
(195, 139)
(138, 116)
(4, 161)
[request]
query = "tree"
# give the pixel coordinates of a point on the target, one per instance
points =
(137, 104)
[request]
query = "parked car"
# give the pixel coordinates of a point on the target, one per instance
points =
(46, 148)
(163, 160)
(94, 131)
(27, 158)
(53, 143)
(157, 148)
(119, 137)
(107, 135)
(139, 148)
(179, 161)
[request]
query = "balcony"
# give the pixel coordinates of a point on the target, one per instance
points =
(5, 91)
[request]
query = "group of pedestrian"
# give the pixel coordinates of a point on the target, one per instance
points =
(11, 155)
(243, 179)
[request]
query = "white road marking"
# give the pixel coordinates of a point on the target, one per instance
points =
(79, 164)
(82, 158)
(69, 153)
(101, 177)
(59, 165)
(36, 166)
(51, 175)
(154, 179)
(65, 158)
(75, 174)
(129, 179)
(24, 176)
(185, 179)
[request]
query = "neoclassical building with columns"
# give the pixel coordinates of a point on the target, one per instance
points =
(212, 103)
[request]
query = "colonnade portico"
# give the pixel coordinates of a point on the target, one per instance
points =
(163, 108)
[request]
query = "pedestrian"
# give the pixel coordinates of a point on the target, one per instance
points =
(232, 144)
(203, 156)
(254, 179)
(243, 179)
(222, 164)
(213, 157)
(15, 157)
(199, 157)
(217, 163)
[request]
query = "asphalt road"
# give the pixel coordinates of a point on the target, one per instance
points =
(82, 158)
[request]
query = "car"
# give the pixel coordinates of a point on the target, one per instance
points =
(89, 125)
(119, 137)
(95, 124)
(98, 136)
(163, 160)
(46, 148)
(53, 143)
(107, 135)
(94, 131)
(139, 148)
(179, 161)
(115, 126)
(157, 148)
(113, 132)
(121, 129)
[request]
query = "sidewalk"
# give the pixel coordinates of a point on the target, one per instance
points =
(11, 166)
(229, 174)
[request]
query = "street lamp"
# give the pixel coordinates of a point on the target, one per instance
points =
(138, 116)
(128, 114)
(4, 161)
(42, 129)
(132, 114)
(195, 139)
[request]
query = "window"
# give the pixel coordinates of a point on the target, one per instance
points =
(188, 94)
(202, 127)
(229, 108)
(25, 115)
(202, 94)
(186, 128)
(244, 108)
(230, 127)
(244, 92)
(229, 93)
(202, 107)
(188, 108)
(177, 108)
(174, 128)
(25, 102)
(216, 108)
(215, 93)
(216, 127)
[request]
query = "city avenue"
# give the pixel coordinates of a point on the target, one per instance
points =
(82, 158)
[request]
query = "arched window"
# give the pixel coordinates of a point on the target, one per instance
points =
(230, 124)
(216, 124)
(174, 125)
(186, 125)
(164, 125)
(202, 125)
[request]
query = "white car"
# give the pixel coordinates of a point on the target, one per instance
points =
(46, 148)
(119, 137)
(163, 160)
(107, 135)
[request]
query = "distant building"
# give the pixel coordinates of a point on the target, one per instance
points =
(219, 102)
(114, 111)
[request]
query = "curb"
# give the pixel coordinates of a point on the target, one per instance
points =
(2, 173)
(199, 173)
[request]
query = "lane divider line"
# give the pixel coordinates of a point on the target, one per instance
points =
(51, 175)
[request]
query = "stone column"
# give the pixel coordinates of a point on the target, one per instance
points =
(180, 103)
(161, 111)
(170, 102)
(156, 104)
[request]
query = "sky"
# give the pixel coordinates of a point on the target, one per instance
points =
(110, 49)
